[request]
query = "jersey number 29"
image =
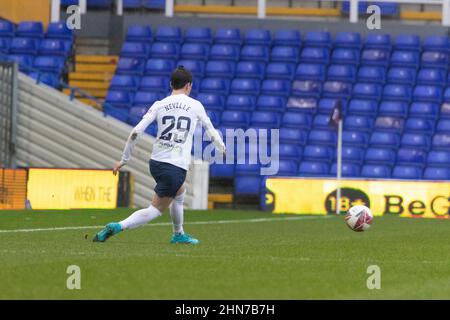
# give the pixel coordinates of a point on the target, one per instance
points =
(182, 125)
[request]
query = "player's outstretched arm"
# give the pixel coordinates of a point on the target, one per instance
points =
(211, 131)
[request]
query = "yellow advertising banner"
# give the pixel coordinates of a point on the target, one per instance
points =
(13, 188)
(72, 188)
(318, 196)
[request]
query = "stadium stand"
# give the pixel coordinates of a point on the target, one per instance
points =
(392, 90)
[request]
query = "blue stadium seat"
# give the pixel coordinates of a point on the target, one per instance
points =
(339, 72)
(220, 69)
(119, 99)
(293, 136)
(375, 171)
(265, 119)
(135, 114)
(215, 85)
(355, 138)
(416, 141)
(249, 185)
(407, 172)
(322, 121)
(345, 56)
(135, 50)
(250, 69)
(358, 123)
(443, 125)
(214, 116)
(254, 53)
(315, 169)
(428, 93)
(352, 154)
(154, 83)
(347, 170)
(58, 30)
(362, 107)
(407, 42)
(435, 59)
(427, 110)
(49, 64)
(322, 137)
(315, 55)
(154, 4)
(362, 7)
(389, 9)
(258, 37)
(327, 105)
(130, 66)
(194, 51)
(411, 157)
(375, 57)
(211, 101)
(397, 92)
(405, 59)
(101, 4)
(165, 50)
(307, 71)
(318, 153)
(287, 168)
(124, 83)
(169, 34)
(285, 54)
(296, 120)
(434, 77)
(24, 46)
(50, 79)
(145, 99)
(436, 173)
(5, 43)
(196, 67)
(287, 37)
(392, 124)
(24, 61)
(380, 139)
(372, 74)
(198, 35)
(289, 151)
(336, 89)
(7, 29)
(367, 91)
(53, 47)
(305, 88)
(221, 170)
(302, 104)
(236, 119)
(245, 86)
(276, 87)
(139, 34)
(317, 39)
(445, 111)
(30, 29)
(271, 103)
(278, 70)
(439, 158)
(378, 41)
(419, 125)
(398, 75)
(383, 156)
(132, 4)
(393, 109)
(224, 52)
(228, 36)
(437, 43)
(159, 67)
(350, 40)
(447, 94)
(240, 102)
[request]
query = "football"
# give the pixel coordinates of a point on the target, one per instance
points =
(359, 218)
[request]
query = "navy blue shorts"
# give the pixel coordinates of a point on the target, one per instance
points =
(169, 178)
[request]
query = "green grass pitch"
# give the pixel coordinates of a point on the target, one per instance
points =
(242, 255)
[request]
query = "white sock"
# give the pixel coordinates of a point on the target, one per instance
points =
(177, 213)
(140, 217)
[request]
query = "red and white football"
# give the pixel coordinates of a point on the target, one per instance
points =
(359, 218)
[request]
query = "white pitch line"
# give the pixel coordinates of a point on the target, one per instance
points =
(169, 224)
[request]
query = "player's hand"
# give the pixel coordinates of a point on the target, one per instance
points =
(117, 167)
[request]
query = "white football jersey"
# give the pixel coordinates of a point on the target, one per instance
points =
(177, 116)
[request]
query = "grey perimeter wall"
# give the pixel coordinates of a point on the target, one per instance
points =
(98, 24)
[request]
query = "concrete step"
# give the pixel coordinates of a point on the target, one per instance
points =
(94, 68)
(89, 85)
(96, 59)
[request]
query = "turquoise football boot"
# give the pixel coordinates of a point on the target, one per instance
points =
(183, 239)
(110, 230)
